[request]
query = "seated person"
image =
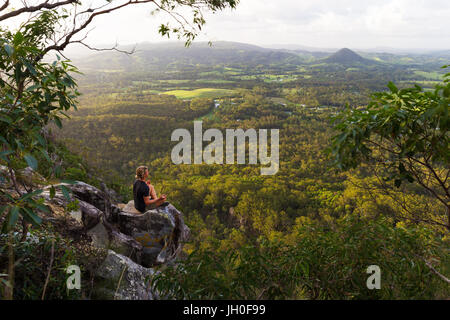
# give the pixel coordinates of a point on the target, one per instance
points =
(144, 193)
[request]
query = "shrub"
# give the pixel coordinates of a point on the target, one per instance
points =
(316, 262)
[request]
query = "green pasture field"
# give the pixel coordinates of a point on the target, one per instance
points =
(200, 93)
(429, 75)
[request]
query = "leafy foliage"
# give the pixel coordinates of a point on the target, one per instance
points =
(406, 131)
(32, 94)
(316, 262)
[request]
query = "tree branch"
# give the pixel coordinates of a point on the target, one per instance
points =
(5, 5)
(67, 41)
(430, 266)
(44, 5)
(106, 49)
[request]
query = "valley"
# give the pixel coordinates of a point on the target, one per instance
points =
(125, 119)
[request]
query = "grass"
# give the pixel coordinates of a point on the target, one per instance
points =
(201, 93)
(214, 81)
(209, 116)
(278, 100)
(151, 91)
(422, 83)
(429, 75)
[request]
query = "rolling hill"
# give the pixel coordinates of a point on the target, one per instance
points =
(347, 57)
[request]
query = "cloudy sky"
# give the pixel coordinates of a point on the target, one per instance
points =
(358, 24)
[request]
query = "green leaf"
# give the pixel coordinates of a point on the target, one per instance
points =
(42, 207)
(58, 170)
(18, 38)
(33, 87)
(392, 87)
(2, 209)
(58, 122)
(19, 144)
(13, 216)
(69, 181)
(46, 156)
(31, 161)
(6, 119)
(9, 50)
(30, 68)
(29, 195)
(52, 192)
(3, 154)
(32, 217)
(41, 139)
(66, 192)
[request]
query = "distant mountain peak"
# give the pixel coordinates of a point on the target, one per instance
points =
(345, 56)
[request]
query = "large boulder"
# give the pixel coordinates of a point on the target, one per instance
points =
(105, 236)
(161, 232)
(125, 245)
(129, 208)
(90, 194)
(112, 194)
(90, 215)
(92, 201)
(119, 278)
(100, 199)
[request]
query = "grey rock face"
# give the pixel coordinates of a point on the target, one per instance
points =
(113, 195)
(105, 236)
(129, 208)
(120, 278)
(125, 245)
(115, 210)
(90, 215)
(160, 231)
(90, 194)
(99, 235)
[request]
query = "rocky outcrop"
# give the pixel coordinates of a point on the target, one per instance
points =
(134, 241)
(90, 194)
(154, 237)
(90, 215)
(112, 195)
(120, 278)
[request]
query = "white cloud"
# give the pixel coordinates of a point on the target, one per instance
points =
(324, 23)
(320, 23)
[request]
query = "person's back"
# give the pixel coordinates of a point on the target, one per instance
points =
(144, 193)
(140, 190)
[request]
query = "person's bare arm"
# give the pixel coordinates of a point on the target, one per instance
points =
(155, 200)
(152, 192)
